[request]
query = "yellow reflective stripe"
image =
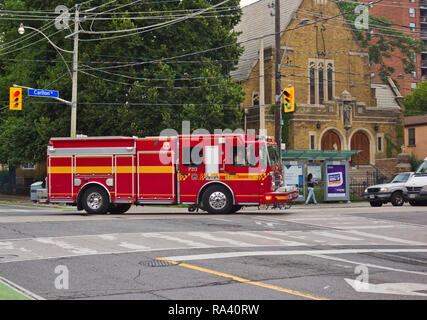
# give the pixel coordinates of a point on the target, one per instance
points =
(99, 170)
(80, 170)
(60, 169)
(156, 169)
(125, 169)
(243, 176)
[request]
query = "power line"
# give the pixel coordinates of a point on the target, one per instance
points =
(155, 87)
(148, 28)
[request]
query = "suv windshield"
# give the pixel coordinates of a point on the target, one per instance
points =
(422, 168)
(402, 177)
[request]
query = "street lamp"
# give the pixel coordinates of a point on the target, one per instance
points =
(73, 102)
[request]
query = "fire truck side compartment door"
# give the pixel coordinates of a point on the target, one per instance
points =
(60, 176)
(124, 177)
(212, 162)
(156, 176)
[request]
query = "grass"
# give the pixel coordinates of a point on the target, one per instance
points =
(7, 293)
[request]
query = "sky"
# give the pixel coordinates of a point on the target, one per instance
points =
(246, 2)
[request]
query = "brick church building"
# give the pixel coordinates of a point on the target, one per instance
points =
(338, 107)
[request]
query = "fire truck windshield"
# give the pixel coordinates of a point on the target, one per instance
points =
(268, 155)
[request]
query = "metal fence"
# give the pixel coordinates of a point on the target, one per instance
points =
(358, 186)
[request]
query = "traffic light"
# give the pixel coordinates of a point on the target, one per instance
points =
(289, 99)
(15, 98)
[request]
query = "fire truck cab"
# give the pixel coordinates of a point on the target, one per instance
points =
(216, 173)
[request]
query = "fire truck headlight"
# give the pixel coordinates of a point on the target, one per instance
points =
(109, 182)
(77, 182)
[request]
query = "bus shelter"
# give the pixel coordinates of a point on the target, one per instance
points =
(328, 166)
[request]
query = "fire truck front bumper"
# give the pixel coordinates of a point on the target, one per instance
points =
(281, 195)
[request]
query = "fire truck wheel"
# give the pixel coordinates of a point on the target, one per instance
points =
(235, 208)
(217, 200)
(118, 208)
(95, 200)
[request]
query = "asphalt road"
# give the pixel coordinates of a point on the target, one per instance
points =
(336, 251)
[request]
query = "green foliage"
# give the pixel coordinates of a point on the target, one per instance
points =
(286, 117)
(416, 103)
(152, 93)
(390, 147)
(414, 161)
(383, 42)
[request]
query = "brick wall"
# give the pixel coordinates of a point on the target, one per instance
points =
(387, 164)
(398, 12)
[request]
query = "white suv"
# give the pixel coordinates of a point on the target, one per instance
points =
(415, 189)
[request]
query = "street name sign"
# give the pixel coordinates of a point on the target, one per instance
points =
(43, 93)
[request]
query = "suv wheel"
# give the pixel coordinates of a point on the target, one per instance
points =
(397, 199)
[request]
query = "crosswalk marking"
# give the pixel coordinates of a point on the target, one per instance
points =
(175, 239)
(55, 247)
(338, 236)
(212, 237)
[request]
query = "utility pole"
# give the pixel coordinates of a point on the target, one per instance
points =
(261, 89)
(75, 74)
(278, 113)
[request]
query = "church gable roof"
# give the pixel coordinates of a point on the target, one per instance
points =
(258, 21)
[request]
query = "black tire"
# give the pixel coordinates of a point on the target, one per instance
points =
(95, 200)
(119, 208)
(397, 199)
(217, 200)
(413, 202)
(376, 203)
(418, 202)
(235, 208)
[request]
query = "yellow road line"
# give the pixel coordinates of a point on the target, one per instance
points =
(242, 280)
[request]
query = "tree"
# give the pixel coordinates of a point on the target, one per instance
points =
(416, 103)
(383, 41)
(137, 82)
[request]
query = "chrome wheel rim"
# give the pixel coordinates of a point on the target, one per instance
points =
(399, 199)
(94, 200)
(217, 200)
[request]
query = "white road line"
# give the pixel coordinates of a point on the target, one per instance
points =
(337, 236)
(67, 246)
(210, 236)
(259, 236)
(370, 235)
(226, 220)
(223, 255)
(367, 227)
(368, 264)
(168, 237)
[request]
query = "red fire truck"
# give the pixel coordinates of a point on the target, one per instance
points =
(216, 173)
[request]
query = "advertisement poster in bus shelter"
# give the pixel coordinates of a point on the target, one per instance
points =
(293, 175)
(316, 170)
(336, 181)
